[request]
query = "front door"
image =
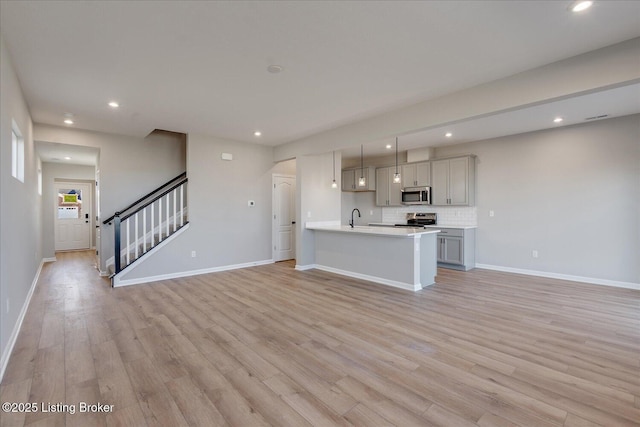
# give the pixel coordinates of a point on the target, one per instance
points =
(73, 212)
(284, 215)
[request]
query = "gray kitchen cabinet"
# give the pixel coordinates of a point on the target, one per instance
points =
(416, 174)
(388, 193)
(453, 181)
(350, 178)
(456, 248)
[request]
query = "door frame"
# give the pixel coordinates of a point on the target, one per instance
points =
(273, 213)
(59, 182)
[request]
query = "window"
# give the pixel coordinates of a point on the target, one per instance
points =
(17, 153)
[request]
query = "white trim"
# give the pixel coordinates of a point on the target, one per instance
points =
(590, 280)
(305, 267)
(52, 259)
(6, 354)
(118, 283)
(382, 281)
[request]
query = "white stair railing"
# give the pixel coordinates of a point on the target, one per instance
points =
(138, 232)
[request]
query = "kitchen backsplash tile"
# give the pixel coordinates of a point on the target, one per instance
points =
(447, 215)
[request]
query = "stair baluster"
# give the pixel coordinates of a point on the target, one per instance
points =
(150, 225)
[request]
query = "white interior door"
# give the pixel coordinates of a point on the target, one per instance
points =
(284, 216)
(72, 215)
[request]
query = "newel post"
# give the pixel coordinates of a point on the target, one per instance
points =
(116, 242)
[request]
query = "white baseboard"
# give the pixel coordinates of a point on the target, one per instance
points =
(52, 259)
(375, 279)
(6, 354)
(590, 280)
(305, 267)
(119, 283)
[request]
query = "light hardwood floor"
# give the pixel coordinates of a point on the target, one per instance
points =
(273, 346)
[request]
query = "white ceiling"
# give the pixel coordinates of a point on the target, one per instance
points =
(610, 103)
(54, 152)
(200, 67)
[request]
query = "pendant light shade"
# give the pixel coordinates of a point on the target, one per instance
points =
(396, 176)
(334, 184)
(362, 182)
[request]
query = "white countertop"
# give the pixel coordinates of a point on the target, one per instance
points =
(377, 231)
(459, 227)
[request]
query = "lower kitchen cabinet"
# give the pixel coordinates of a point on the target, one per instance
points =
(457, 248)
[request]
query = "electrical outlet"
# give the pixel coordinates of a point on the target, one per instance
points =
(193, 254)
(491, 213)
(534, 253)
(8, 306)
(371, 212)
(309, 214)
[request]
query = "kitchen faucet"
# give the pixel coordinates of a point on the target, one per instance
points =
(356, 209)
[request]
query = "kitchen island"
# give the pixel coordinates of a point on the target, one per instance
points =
(400, 257)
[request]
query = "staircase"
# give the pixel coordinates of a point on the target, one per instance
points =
(143, 226)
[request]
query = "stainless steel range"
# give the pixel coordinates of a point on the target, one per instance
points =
(419, 220)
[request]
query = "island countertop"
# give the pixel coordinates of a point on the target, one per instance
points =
(377, 231)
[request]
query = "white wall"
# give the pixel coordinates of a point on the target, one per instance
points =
(129, 167)
(50, 173)
(20, 213)
(365, 201)
(223, 229)
(318, 202)
(572, 194)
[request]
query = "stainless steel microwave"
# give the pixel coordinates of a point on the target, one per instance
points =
(416, 196)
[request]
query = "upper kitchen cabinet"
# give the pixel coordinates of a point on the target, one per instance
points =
(416, 174)
(388, 193)
(350, 178)
(453, 181)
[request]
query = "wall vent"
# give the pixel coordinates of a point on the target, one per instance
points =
(602, 116)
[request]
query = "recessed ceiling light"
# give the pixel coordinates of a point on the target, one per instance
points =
(67, 158)
(275, 69)
(579, 6)
(388, 146)
(257, 133)
(448, 134)
(558, 120)
(114, 104)
(68, 121)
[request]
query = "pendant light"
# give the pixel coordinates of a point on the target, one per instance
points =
(396, 176)
(334, 184)
(362, 182)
